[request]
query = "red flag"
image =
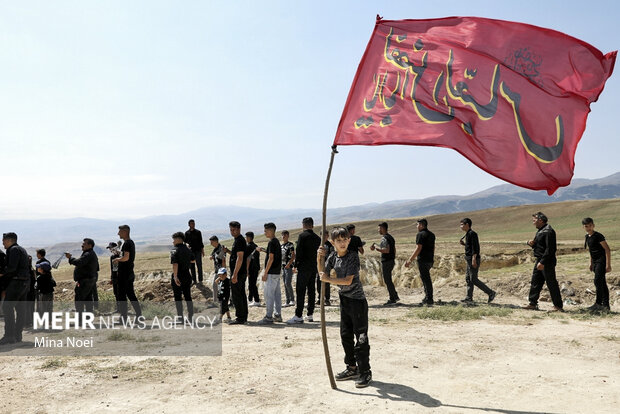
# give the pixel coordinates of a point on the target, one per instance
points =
(510, 97)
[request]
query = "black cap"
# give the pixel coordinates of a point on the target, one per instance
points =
(112, 245)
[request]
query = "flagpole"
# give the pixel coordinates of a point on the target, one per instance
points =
(328, 362)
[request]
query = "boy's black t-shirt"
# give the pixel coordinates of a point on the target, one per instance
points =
(344, 266)
(593, 243)
(239, 245)
(125, 269)
(427, 239)
(223, 290)
(275, 248)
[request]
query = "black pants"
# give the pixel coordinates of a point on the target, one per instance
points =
(15, 303)
(425, 275)
(252, 288)
(539, 278)
(354, 325)
(305, 281)
(84, 295)
(115, 289)
(239, 299)
(125, 291)
(327, 289)
(602, 291)
(45, 303)
(198, 264)
(471, 277)
(180, 292)
(386, 270)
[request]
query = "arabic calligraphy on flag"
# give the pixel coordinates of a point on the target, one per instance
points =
(510, 97)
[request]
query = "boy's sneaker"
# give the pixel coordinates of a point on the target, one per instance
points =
(295, 320)
(309, 318)
(492, 296)
(277, 318)
(347, 374)
(266, 321)
(328, 303)
(467, 300)
(363, 380)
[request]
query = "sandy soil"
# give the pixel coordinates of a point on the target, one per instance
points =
(522, 362)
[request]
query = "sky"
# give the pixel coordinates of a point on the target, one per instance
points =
(129, 109)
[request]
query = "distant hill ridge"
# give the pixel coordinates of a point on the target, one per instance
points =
(214, 220)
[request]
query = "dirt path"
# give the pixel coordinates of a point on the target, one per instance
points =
(517, 362)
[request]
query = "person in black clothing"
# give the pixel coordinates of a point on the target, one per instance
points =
(600, 263)
(126, 276)
(193, 237)
(544, 245)
(114, 254)
(16, 282)
(181, 259)
(31, 297)
(472, 257)
(308, 244)
(425, 253)
(356, 245)
(238, 266)
(329, 248)
(45, 284)
(218, 256)
(288, 261)
(223, 292)
(387, 248)
(253, 264)
(84, 275)
(342, 268)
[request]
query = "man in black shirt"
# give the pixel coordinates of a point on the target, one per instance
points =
(288, 260)
(253, 264)
(238, 267)
(387, 248)
(544, 245)
(271, 277)
(600, 263)
(16, 283)
(126, 276)
(193, 237)
(308, 244)
(218, 256)
(472, 257)
(181, 259)
(114, 254)
(85, 275)
(425, 253)
(356, 244)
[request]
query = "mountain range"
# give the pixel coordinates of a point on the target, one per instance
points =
(214, 220)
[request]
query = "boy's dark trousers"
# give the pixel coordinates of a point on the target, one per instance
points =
(354, 325)
(471, 277)
(539, 277)
(386, 269)
(602, 291)
(425, 275)
(180, 292)
(305, 281)
(327, 289)
(252, 288)
(239, 299)
(45, 303)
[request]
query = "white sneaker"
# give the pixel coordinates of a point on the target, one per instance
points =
(291, 303)
(309, 318)
(295, 320)
(254, 304)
